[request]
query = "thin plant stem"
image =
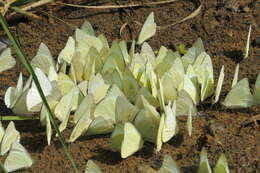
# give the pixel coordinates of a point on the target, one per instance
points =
(29, 68)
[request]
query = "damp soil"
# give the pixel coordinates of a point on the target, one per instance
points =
(222, 25)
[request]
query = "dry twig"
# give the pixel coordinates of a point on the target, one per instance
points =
(118, 6)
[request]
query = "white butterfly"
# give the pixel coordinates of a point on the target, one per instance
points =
(11, 135)
(125, 139)
(219, 85)
(15, 98)
(169, 165)
(6, 60)
(18, 158)
(91, 167)
(33, 98)
(234, 82)
(67, 53)
(148, 29)
(239, 96)
(204, 166)
(43, 59)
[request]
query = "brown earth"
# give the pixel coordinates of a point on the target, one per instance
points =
(222, 25)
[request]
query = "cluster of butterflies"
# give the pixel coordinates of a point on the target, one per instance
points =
(170, 166)
(134, 96)
(18, 158)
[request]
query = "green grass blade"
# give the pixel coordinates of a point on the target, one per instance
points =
(2, 168)
(17, 118)
(29, 68)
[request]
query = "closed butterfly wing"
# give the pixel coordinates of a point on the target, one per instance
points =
(63, 108)
(20, 107)
(239, 96)
(87, 28)
(161, 95)
(100, 125)
(76, 99)
(207, 87)
(132, 141)
(65, 83)
(83, 87)
(148, 29)
(33, 98)
(2, 132)
(170, 127)
(167, 63)
(125, 139)
(91, 167)
(52, 74)
(147, 53)
(184, 104)
(130, 85)
(160, 56)
(189, 123)
(11, 135)
(159, 140)
(116, 138)
(43, 59)
(13, 94)
(97, 87)
(6, 60)
(15, 98)
(10, 97)
(144, 92)
(72, 74)
(117, 54)
(104, 52)
(246, 51)
(147, 123)
(114, 78)
(202, 62)
(192, 53)
(124, 51)
(204, 166)
(169, 165)
(221, 165)
(45, 120)
(85, 41)
(219, 85)
(107, 107)
(125, 111)
(91, 64)
(18, 158)
(235, 78)
(78, 63)
(67, 53)
(86, 106)
(191, 89)
(177, 73)
(81, 126)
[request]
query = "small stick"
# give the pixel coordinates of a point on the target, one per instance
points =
(118, 6)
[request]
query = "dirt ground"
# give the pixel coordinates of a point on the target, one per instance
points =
(222, 25)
